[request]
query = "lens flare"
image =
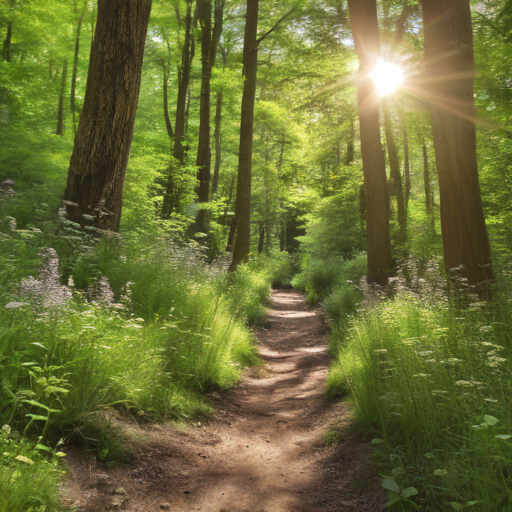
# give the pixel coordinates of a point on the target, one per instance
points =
(387, 77)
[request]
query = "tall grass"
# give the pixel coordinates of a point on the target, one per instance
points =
(430, 376)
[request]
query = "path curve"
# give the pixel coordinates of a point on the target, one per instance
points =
(266, 450)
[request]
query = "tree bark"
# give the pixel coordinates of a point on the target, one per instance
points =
(350, 144)
(365, 29)
(6, 48)
(243, 191)
(102, 145)
(450, 71)
(167, 117)
(407, 164)
(60, 113)
(209, 42)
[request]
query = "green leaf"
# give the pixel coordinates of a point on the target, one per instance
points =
(60, 454)
(410, 491)
(24, 459)
(440, 472)
(39, 345)
(482, 426)
(37, 417)
(37, 404)
(43, 447)
(392, 501)
(503, 437)
(457, 506)
(490, 420)
(471, 503)
(377, 441)
(390, 485)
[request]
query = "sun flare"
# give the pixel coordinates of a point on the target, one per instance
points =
(387, 77)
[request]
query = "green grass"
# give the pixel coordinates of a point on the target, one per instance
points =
(431, 378)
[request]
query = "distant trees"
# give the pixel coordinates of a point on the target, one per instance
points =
(448, 87)
(102, 145)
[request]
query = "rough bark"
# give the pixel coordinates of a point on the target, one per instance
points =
(394, 165)
(450, 71)
(363, 19)
(243, 191)
(60, 112)
(102, 145)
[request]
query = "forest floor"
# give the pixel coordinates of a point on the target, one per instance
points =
(275, 444)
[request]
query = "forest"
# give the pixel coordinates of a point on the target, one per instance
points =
(171, 169)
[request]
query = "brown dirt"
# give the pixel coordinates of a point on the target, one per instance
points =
(266, 450)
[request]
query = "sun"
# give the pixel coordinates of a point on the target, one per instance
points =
(387, 77)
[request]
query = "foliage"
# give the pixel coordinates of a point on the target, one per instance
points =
(430, 376)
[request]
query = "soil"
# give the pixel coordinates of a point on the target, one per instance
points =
(269, 447)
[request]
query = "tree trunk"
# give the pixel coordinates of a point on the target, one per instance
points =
(350, 144)
(407, 164)
(450, 71)
(6, 48)
(243, 191)
(365, 29)
(102, 145)
(184, 81)
(178, 150)
(209, 43)
(395, 174)
(60, 113)
(261, 242)
(217, 130)
(167, 118)
(72, 97)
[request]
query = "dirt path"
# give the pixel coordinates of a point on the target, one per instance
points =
(266, 450)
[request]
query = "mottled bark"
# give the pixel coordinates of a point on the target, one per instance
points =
(450, 70)
(243, 192)
(102, 145)
(60, 112)
(363, 19)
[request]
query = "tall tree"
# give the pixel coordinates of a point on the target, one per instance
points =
(178, 150)
(79, 21)
(365, 29)
(102, 145)
(209, 43)
(242, 218)
(60, 112)
(450, 70)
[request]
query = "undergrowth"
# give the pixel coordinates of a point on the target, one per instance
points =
(142, 324)
(429, 373)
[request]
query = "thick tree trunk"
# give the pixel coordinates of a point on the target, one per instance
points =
(243, 191)
(102, 145)
(60, 113)
(363, 19)
(395, 174)
(450, 70)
